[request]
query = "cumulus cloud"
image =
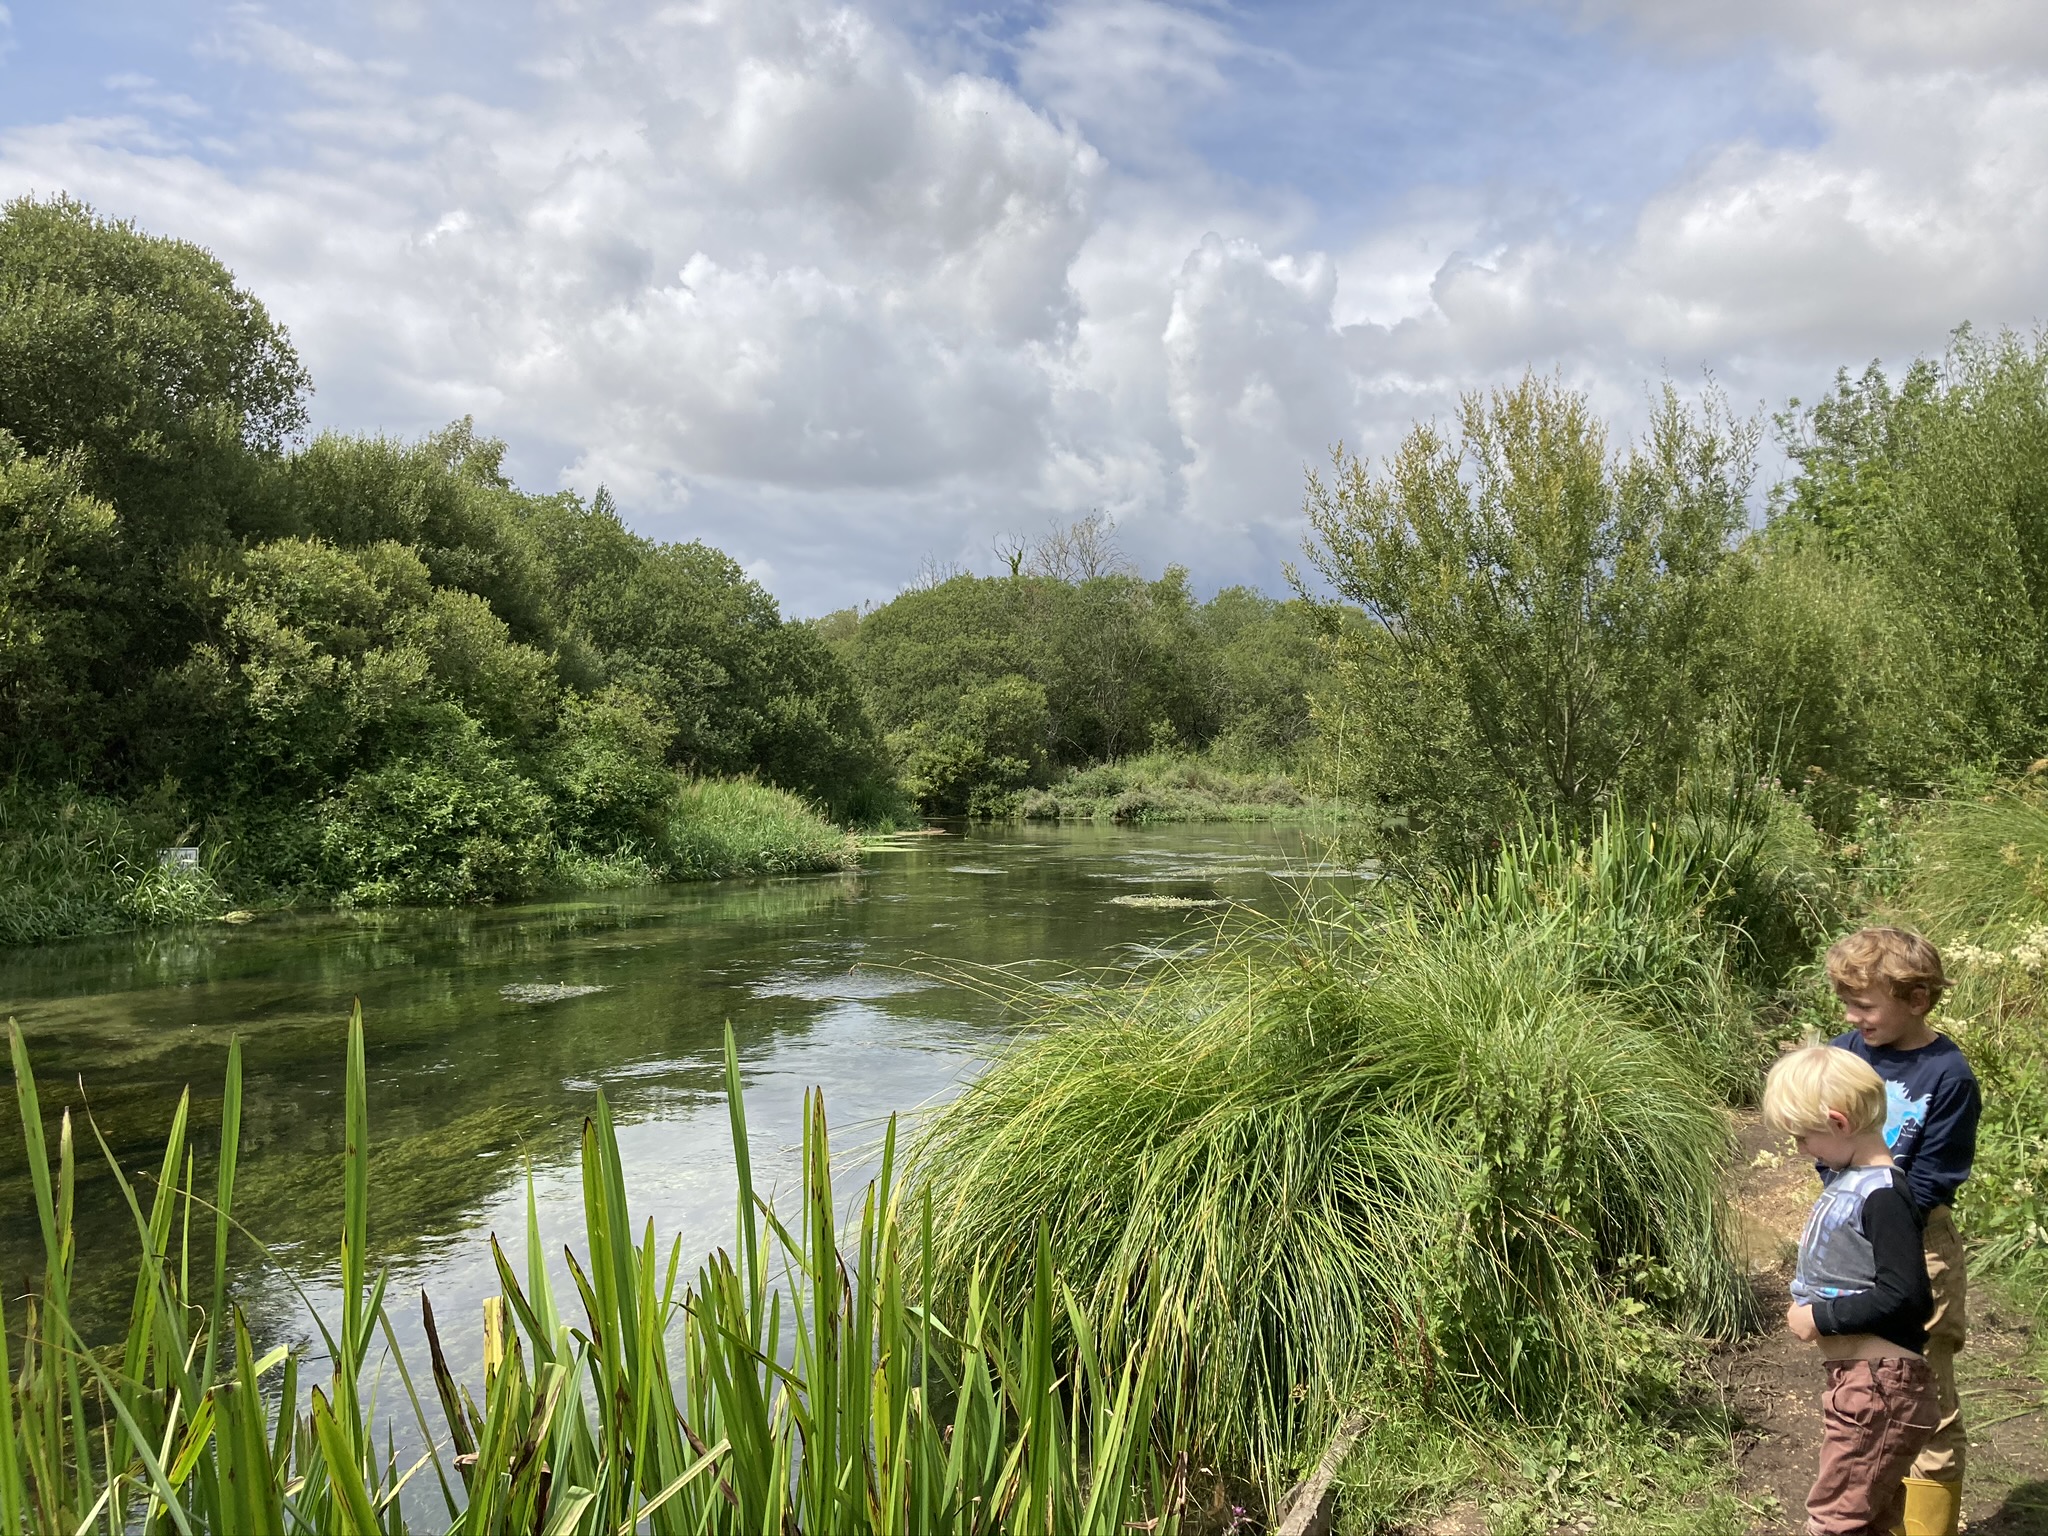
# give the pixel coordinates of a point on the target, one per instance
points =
(787, 284)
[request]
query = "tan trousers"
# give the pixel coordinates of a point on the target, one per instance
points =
(1943, 1456)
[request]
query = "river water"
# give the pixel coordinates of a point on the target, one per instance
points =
(489, 1032)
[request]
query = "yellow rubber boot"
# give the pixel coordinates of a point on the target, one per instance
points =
(1932, 1509)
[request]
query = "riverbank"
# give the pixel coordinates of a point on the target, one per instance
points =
(74, 865)
(1369, 1157)
(1177, 787)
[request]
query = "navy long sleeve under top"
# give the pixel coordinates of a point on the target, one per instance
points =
(1931, 1110)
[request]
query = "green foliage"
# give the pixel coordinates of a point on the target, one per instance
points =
(992, 745)
(57, 551)
(1550, 619)
(356, 626)
(138, 349)
(452, 824)
(1177, 786)
(1125, 666)
(1369, 1156)
(796, 1386)
(722, 827)
(744, 691)
(73, 864)
(1936, 493)
(606, 773)
(1978, 885)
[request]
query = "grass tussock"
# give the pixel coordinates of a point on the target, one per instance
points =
(723, 827)
(1391, 1153)
(1175, 786)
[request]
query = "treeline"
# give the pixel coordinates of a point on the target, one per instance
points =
(354, 666)
(990, 686)
(1560, 623)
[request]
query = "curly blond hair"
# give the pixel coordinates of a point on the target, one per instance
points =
(1899, 958)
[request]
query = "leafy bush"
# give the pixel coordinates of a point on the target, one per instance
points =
(451, 825)
(1978, 885)
(1933, 490)
(722, 827)
(605, 771)
(992, 745)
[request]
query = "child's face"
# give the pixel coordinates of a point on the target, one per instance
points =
(1883, 1018)
(1833, 1147)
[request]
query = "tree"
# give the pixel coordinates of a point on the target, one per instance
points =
(1548, 617)
(142, 352)
(57, 550)
(1936, 492)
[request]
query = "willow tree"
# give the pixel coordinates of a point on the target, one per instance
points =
(1550, 613)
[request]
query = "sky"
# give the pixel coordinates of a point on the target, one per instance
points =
(851, 290)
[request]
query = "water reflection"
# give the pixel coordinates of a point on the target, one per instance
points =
(489, 1032)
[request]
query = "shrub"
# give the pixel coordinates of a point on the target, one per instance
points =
(457, 824)
(1550, 617)
(605, 771)
(992, 744)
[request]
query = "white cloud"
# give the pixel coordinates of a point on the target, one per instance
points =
(787, 286)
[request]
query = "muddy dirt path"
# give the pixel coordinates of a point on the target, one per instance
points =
(1773, 1381)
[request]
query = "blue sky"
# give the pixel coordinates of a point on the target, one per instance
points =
(839, 288)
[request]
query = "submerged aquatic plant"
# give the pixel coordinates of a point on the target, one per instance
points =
(795, 1387)
(1362, 1152)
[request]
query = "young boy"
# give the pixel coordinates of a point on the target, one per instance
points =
(1860, 1292)
(1888, 980)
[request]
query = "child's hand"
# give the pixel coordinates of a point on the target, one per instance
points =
(1800, 1320)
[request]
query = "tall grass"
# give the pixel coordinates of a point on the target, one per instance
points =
(76, 864)
(723, 827)
(1369, 1155)
(794, 1387)
(1176, 786)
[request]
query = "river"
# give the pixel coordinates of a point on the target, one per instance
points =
(489, 1032)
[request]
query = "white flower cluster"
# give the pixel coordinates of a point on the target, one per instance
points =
(2029, 954)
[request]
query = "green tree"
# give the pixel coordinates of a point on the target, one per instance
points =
(1935, 491)
(57, 549)
(992, 745)
(1549, 619)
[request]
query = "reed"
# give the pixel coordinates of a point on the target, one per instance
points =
(795, 1386)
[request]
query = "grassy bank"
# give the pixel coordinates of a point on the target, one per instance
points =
(792, 1388)
(1976, 880)
(1174, 786)
(723, 827)
(1450, 1155)
(75, 864)
(1453, 1155)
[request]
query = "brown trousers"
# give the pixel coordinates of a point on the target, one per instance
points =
(1875, 1416)
(1943, 1457)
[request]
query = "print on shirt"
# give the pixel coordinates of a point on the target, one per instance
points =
(1903, 1113)
(1835, 1257)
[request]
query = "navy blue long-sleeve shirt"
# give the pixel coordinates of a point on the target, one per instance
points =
(1931, 1110)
